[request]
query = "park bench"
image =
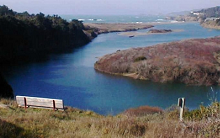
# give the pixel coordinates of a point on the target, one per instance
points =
(37, 102)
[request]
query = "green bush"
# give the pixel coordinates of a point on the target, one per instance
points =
(204, 112)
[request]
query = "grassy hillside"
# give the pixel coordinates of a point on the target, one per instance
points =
(18, 122)
(194, 61)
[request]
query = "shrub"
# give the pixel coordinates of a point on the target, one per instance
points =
(140, 58)
(143, 110)
(203, 112)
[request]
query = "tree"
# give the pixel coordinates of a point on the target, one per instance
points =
(4, 10)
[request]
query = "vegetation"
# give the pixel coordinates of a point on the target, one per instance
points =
(18, 122)
(100, 28)
(6, 90)
(140, 58)
(159, 31)
(210, 12)
(199, 15)
(24, 35)
(194, 62)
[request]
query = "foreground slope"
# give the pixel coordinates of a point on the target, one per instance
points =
(17, 122)
(194, 61)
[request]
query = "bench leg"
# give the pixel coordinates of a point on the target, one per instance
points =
(54, 105)
(25, 103)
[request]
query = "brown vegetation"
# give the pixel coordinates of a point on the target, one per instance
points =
(195, 61)
(159, 31)
(142, 111)
(18, 122)
(115, 27)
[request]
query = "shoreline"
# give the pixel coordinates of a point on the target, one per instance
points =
(100, 28)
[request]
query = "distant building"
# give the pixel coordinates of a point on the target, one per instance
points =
(196, 13)
(211, 19)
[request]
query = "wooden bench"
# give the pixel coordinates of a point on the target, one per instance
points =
(37, 102)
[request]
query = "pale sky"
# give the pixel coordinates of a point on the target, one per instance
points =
(107, 7)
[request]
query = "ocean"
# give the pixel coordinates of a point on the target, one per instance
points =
(116, 18)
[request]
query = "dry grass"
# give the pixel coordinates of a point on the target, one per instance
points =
(18, 122)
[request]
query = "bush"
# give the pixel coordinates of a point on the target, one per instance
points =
(140, 58)
(142, 111)
(211, 111)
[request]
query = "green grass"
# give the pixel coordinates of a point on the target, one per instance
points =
(141, 122)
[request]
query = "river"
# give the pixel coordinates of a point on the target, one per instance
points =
(71, 76)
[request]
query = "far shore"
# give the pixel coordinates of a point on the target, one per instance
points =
(122, 27)
(135, 33)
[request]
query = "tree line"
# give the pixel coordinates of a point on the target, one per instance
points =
(23, 34)
(211, 12)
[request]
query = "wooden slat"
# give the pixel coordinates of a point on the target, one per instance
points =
(40, 102)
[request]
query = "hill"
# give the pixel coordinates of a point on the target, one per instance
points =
(194, 62)
(209, 12)
(198, 15)
(24, 35)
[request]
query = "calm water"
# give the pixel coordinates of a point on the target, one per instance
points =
(71, 76)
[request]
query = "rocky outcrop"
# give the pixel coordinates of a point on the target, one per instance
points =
(6, 90)
(184, 18)
(194, 62)
(212, 24)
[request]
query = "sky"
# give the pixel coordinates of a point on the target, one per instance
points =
(107, 7)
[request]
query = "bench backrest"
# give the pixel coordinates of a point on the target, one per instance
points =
(39, 102)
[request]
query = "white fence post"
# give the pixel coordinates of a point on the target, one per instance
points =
(181, 104)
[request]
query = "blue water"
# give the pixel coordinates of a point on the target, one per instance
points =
(71, 76)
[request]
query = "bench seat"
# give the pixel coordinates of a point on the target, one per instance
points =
(37, 102)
